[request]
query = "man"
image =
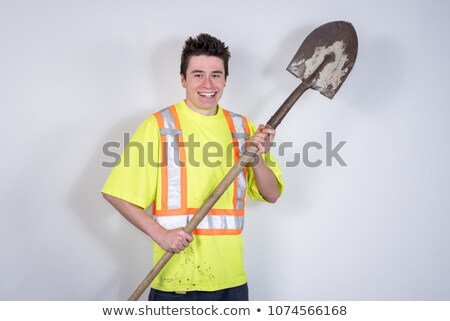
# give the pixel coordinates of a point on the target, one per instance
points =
(189, 147)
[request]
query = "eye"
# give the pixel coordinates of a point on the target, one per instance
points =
(198, 75)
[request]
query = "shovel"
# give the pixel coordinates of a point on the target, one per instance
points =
(322, 62)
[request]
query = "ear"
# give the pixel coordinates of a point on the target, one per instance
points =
(183, 81)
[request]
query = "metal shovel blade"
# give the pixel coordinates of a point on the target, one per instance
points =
(338, 39)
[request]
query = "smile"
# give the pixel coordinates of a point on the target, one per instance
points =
(207, 94)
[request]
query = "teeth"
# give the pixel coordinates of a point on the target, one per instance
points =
(207, 94)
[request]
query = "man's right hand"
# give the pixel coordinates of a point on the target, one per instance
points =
(175, 240)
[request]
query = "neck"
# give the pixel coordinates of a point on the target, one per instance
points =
(206, 112)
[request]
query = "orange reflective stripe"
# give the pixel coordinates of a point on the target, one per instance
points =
(246, 127)
(164, 183)
(182, 153)
(159, 119)
(187, 211)
(217, 231)
(236, 152)
(229, 120)
(247, 131)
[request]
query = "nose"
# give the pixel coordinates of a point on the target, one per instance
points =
(207, 82)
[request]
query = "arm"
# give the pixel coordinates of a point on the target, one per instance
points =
(175, 240)
(266, 181)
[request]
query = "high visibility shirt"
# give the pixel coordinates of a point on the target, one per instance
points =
(177, 181)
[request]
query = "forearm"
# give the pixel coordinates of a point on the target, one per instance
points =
(175, 240)
(266, 180)
(137, 216)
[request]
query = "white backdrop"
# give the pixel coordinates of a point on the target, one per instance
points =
(77, 74)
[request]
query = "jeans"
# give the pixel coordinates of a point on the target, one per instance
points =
(239, 293)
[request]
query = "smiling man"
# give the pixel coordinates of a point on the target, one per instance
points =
(209, 264)
(204, 81)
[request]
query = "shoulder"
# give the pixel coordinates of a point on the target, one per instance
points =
(232, 113)
(249, 126)
(155, 118)
(149, 127)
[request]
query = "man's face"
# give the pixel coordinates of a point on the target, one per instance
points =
(204, 83)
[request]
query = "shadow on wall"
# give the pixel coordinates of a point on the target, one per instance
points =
(165, 73)
(283, 81)
(378, 75)
(130, 249)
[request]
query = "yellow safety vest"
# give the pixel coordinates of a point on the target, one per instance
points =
(174, 211)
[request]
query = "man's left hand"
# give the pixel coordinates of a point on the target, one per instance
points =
(263, 139)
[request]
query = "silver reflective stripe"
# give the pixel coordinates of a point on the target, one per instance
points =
(173, 160)
(240, 134)
(209, 222)
(241, 137)
(240, 191)
(169, 131)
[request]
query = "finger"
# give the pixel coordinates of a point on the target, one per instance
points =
(258, 140)
(269, 132)
(186, 236)
(258, 143)
(177, 246)
(260, 147)
(260, 135)
(268, 145)
(184, 243)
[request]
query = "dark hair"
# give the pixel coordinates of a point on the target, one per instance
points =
(204, 44)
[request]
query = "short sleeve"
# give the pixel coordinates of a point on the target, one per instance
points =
(270, 161)
(135, 177)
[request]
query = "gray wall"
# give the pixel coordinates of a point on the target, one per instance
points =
(77, 74)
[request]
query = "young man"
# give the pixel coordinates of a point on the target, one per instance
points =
(174, 161)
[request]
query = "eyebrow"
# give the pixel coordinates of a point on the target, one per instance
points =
(201, 71)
